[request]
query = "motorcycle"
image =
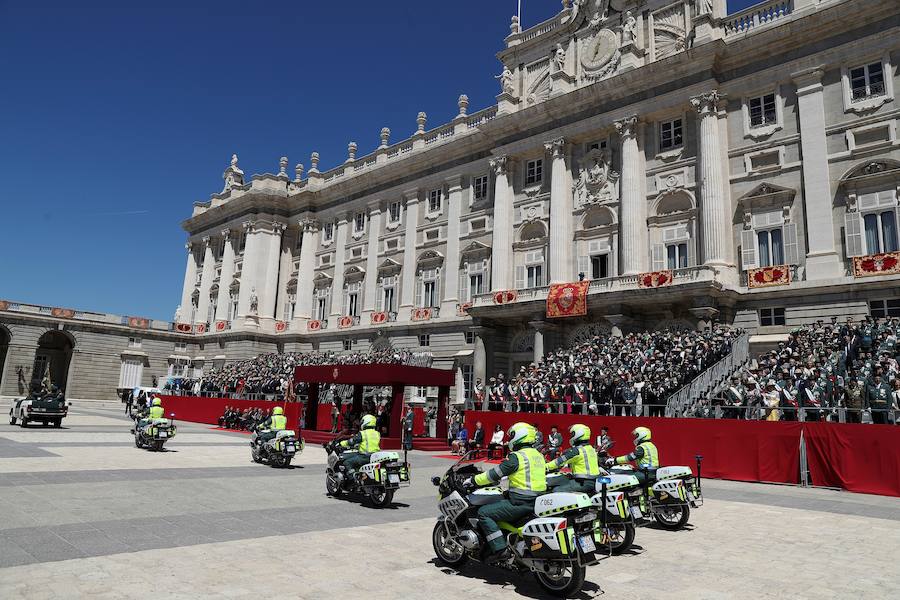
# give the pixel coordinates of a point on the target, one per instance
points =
(376, 481)
(154, 434)
(667, 498)
(278, 451)
(556, 544)
(617, 534)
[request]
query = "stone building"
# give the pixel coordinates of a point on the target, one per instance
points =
(691, 165)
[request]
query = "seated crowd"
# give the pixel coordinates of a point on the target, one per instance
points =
(832, 371)
(269, 376)
(243, 420)
(608, 375)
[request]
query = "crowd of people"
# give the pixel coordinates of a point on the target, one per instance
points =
(269, 376)
(243, 420)
(608, 375)
(825, 371)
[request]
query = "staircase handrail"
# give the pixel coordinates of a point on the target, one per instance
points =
(740, 352)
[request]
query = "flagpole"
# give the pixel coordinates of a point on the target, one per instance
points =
(519, 14)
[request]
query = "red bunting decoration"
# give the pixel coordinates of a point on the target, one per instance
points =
(769, 276)
(379, 317)
(505, 296)
(655, 279)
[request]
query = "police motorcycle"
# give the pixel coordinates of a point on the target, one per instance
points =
(666, 497)
(278, 451)
(376, 481)
(154, 433)
(556, 544)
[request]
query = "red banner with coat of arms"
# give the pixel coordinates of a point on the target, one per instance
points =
(655, 279)
(876, 264)
(769, 276)
(567, 299)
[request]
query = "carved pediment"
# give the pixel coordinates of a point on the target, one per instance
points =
(389, 267)
(354, 272)
(597, 182)
(322, 279)
(475, 250)
(540, 89)
(430, 258)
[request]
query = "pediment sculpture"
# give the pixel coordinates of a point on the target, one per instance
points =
(596, 183)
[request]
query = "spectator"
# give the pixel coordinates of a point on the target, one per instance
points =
(496, 443)
(477, 441)
(460, 441)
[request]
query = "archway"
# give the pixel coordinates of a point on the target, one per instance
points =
(54, 349)
(5, 338)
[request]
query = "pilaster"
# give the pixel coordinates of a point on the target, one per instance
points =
(633, 211)
(450, 271)
(190, 280)
(408, 282)
(309, 229)
(501, 240)
(562, 230)
(371, 285)
(337, 282)
(227, 275)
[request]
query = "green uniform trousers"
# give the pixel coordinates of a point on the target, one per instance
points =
(355, 461)
(584, 486)
(511, 511)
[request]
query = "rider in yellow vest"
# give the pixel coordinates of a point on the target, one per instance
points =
(526, 474)
(645, 455)
(269, 428)
(154, 413)
(367, 441)
(582, 460)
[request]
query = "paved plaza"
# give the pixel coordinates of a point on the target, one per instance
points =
(83, 513)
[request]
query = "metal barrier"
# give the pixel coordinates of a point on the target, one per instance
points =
(757, 412)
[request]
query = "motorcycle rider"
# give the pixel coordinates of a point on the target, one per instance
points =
(526, 473)
(645, 455)
(367, 441)
(269, 428)
(154, 413)
(581, 458)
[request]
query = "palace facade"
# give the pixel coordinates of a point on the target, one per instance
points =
(692, 166)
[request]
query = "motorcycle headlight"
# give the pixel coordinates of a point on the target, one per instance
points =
(586, 517)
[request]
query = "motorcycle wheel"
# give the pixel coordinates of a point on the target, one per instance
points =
(381, 497)
(331, 485)
(137, 441)
(620, 537)
(448, 552)
(158, 445)
(254, 454)
(673, 518)
(564, 580)
(286, 461)
(276, 461)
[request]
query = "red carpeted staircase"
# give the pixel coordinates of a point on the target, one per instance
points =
(430, 444)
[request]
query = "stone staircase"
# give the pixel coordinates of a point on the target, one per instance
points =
(712, 380)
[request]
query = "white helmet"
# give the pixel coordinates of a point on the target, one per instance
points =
(641, 435)
(520, 434)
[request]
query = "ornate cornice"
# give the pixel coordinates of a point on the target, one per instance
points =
(556, 148)
(309, 225)
(500, 164)
(707, 102)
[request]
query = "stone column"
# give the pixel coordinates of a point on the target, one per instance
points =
(479, 361)
(822, 261)
(309, 229)
(562, 262)
(248, 271)
(714, 213)
(285, 267)
(337, 283)
(268, 291)
(538, 344)
(190, 278)
(206, 279)
(633, 234)
(371, 287)
(451, 260)
(501, 241)
(226, 277)
(407, 292)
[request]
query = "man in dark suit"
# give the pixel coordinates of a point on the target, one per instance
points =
(477, 439)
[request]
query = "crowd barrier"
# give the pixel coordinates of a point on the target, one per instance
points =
(858, 458)
(198, 409)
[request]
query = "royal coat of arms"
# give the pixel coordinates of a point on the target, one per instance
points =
(596, 183)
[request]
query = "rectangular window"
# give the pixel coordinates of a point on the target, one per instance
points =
(866, 81)
(470, 337)
(391, 244)
(359, 222)
(468, 376)
(600, 266)
(534, 276)
(394, 212)
(476, 284)
(670, 135)
(880, 230)
(676, 256)
(321, 308)
(353, 304)
(428, 297)
(348, 345)
(534, 171)
(434, 201)
(180, 346)
(480, 187)
(389, 299)
(425, 339)
(771, 316)
(134, 342)
(328, 232)
(762, 110)
(771, 247)
(884, 308)
(476, 224)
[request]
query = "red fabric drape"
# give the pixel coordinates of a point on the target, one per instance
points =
(208, 410)
(858, 458)
(418, 420)
(738, 450)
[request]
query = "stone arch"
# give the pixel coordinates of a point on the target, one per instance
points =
(522, 342)
(871, 167)
(598, 216)
(532, 231)
(586, 331)
(54, 349)
(673, 202)
(5, 339)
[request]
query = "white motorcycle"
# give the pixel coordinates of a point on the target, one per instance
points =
(667, 498)
(377, 480)
(556, 545)
(278, 451)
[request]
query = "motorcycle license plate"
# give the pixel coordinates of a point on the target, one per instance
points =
(290, 448)
(587, 543)
(163, 434)
(636, 512)
(393, 478)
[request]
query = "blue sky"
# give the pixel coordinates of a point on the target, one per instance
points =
(116, 116)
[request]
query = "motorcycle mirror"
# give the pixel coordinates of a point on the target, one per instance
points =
(436, 480)
(172, 415)
(605, 480)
